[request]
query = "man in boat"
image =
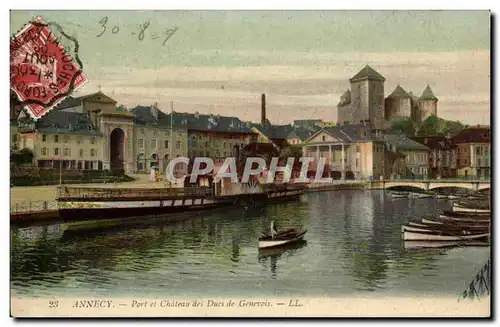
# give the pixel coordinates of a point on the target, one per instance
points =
(274, 230)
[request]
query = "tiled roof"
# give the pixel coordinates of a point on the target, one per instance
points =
(274, 131)
(367, 73)
(73, 102)
(215, 123)
(66, 122)
(437, 142)
(303, 133)
(398, 92)
(306, 122)
(401, 141)
(351, 133)
(473, 135)
(428, 94)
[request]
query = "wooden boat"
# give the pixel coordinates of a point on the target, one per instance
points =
(441, 196)
(399, 195)
(446, 228)
(421, 195)
(418, 245)
(458, 214)
(442, 236)
(453, 197)
(441, 221)
(458, 208)
(471, 219)
(282, 238)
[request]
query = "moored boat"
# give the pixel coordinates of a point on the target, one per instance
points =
(442, 236)
(453, 197)
(459, 208)
(399, 195)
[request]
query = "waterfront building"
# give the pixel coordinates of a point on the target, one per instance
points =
(442, 155)
(351, 151)
(157, 139)
(415, 154)
(365, 100)
(473, 152)
(67, 140)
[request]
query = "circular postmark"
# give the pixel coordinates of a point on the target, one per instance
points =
(43, 72)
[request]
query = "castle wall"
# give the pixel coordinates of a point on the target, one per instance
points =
(427, 108)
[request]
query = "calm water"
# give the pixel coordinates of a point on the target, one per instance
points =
(353, 248)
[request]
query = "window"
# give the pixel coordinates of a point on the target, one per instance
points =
(81, 152)
(66, 138)
(56, 138)
(479, 162)
(358, 149)
(166, 144)
(224, 153)
(140, 142)
(178, 145)
(93, 152)
(324, 138)
(44, 138)
(153, 144)
(56, 151)
(357, 162)
(44, 151)
(478, 150)
(78, 139)
(66, 152)
(486, 151)
(92, 140)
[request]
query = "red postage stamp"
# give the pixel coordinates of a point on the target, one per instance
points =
(42, 71)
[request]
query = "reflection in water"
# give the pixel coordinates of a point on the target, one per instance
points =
(353, 246)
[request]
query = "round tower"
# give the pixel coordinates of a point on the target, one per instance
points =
(427, 104)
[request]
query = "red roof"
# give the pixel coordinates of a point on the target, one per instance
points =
(473, 135)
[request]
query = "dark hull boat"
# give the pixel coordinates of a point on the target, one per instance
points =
(282, 238)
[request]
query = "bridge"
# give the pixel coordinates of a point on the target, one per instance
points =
(430, 184)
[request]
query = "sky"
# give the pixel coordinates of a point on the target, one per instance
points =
(221, 61)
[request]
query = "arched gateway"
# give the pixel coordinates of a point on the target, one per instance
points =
(117, 147)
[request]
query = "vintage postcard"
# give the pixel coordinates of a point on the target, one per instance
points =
(279, 163)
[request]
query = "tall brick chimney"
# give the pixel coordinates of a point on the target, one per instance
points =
(263, 109)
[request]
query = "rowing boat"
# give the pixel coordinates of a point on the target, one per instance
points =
(282, 238)
(458, 208)
(441, 236)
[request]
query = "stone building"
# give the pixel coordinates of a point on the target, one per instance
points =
(365, 100)
(474, 152)
(351, 151)
(442, 155)
(415, 154)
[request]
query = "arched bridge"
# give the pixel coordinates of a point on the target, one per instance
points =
(427, 185)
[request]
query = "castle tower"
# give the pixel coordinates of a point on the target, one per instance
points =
(367, 97)
(398, 104)
(427, 103)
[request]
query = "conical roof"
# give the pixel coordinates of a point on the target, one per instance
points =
(428, 94)
(367, 73)
(399, 92)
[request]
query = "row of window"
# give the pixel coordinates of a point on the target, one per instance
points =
(66, 139)
(154, 144)
(416, 157)
(67, 152)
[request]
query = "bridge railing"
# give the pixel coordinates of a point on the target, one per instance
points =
(442, 180)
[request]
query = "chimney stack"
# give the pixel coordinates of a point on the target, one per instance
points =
(263, 109)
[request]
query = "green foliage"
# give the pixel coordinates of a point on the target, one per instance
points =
(21, 157)
(402, 125)
(438, 126)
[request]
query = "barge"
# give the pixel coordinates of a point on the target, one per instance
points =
(77, 204)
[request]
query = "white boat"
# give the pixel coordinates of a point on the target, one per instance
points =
(430, 221)
(439, 236)
(459, 208)
(453, 197)
(441, 196)
(397, 195)
(413, 245)
(280, 239)
(421, 195)
(471, 220)
(405, 228)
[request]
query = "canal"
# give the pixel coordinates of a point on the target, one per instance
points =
(353, 248)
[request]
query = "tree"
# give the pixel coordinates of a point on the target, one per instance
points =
(402, 125)
(431, 126)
